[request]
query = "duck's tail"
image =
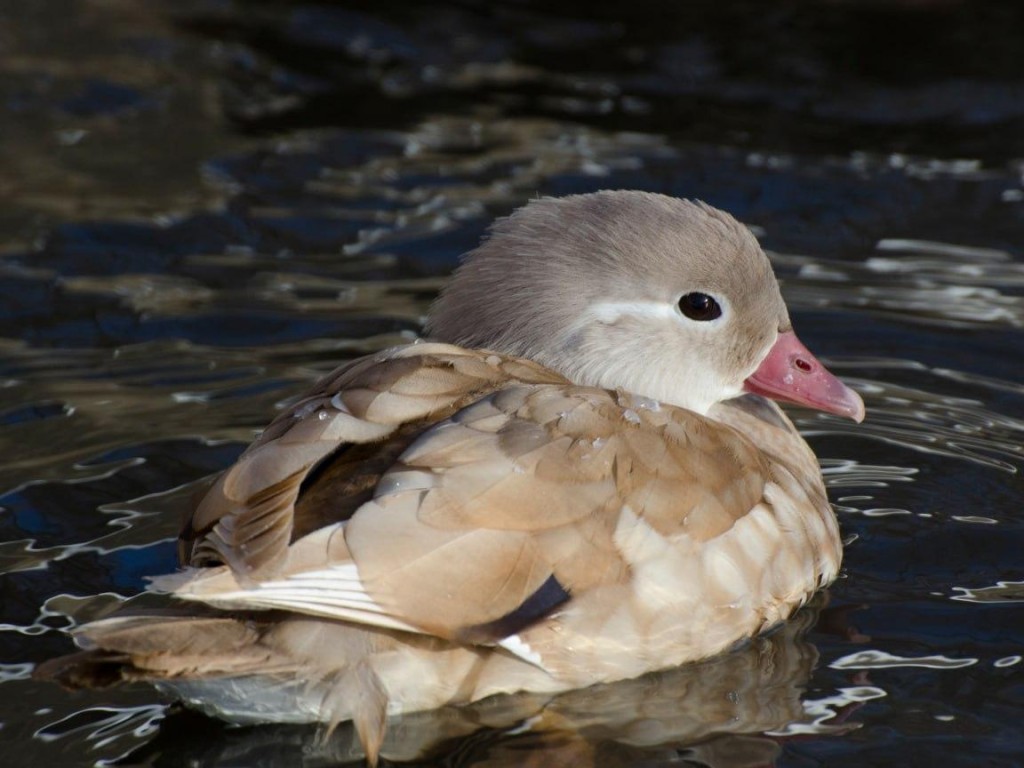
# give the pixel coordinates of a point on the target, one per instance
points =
(242, 668)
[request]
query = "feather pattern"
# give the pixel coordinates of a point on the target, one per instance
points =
(634, 508)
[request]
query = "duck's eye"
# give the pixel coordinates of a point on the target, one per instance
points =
(699, 306)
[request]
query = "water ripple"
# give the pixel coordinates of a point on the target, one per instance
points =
(944, 284)
(1002, 592)
(842, 473)
(101, 726)
(924, 420)
(873, 659)
(828, 715)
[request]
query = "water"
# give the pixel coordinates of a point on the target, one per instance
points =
(207, 204)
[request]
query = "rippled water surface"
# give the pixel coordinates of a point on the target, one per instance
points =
(207, 204)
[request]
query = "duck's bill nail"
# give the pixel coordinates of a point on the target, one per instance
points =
(791, 373)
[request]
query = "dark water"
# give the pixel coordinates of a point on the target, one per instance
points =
(207, 204)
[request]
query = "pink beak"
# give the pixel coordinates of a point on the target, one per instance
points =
(791, 373)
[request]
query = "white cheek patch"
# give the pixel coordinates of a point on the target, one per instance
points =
(681, 376)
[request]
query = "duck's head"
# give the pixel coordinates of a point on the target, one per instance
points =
(666, 298)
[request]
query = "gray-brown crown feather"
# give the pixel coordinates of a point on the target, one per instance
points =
(523, 288)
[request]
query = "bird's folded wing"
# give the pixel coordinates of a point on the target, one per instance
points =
(500, 513)
(355, 420)
(506, 511)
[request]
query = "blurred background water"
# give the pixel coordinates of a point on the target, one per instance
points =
(205, 204)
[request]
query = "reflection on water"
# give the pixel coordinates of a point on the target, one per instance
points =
(646, 721)
(922, 282)
(883, 660)
(103, 725)
(920, 419)
(208, 205)
(1003, 592)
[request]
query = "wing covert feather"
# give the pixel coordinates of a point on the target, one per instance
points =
(528, 483)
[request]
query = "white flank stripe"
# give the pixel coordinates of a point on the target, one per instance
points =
(515, 645)
(335, 593)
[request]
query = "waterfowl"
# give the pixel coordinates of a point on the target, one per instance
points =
(579, 480)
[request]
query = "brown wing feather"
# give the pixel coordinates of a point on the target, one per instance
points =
(475, 499)
(350, 425)
(528, 484)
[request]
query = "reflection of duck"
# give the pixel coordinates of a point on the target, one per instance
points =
(578, 503)
(712, 712)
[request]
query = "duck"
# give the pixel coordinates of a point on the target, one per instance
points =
(582, 476)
